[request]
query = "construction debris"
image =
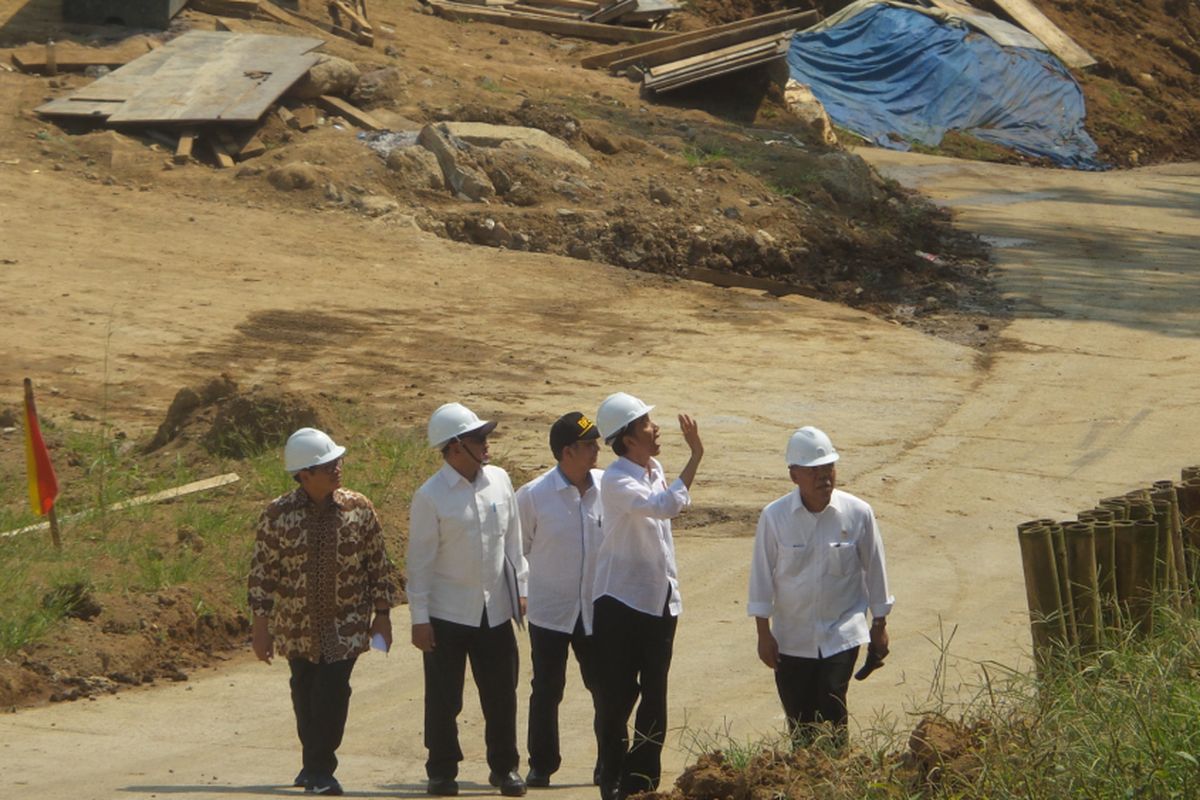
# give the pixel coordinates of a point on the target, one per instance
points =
(564, 18)
(72, 57)
(686, 58)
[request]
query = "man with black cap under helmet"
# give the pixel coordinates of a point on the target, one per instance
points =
(466, 583)
(320, 589)
(560, 526)
(818, 570)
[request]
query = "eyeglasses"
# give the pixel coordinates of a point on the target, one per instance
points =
(329, 467)
(476, 438)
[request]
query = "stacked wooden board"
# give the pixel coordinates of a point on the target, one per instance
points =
(607, 21)
(686, 58)
(347, 18)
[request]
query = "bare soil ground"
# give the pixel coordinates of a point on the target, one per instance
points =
(129, 280)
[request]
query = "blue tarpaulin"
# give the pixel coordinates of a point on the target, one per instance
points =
(896, 75)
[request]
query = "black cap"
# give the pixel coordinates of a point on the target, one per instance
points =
(569, 429)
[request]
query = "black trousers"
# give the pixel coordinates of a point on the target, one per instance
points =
(493, 656)
(321, 700)
(634, 656)
(813, 690)
(549, 652)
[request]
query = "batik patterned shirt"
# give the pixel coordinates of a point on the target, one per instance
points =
(318, 573)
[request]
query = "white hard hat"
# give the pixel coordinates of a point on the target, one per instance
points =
(810, 447)
(617, 411)
(453, 420)
(309, 447)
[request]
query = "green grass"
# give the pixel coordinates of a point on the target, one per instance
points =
(202, 541)
(702, 154)
(1122, 723)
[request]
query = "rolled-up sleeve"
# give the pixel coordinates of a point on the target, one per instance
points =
(626, 494)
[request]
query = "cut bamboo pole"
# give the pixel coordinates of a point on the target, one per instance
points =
(1047, 622)
(1085, 593)
(1064, 581)
(1141, 600)
(1106, 576)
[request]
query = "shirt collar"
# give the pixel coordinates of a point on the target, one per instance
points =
(561, 481)
(338, 497)
(798, 503)
(625, 465)
(451, 476)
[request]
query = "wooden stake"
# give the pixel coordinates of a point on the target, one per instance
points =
(54, 534)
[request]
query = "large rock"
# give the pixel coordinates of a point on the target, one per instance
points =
(378, 86)
(416, 167)
(330, 75)
(848, 179)
(482, 134)
(460, 178)
(804, 104)
(294, 175)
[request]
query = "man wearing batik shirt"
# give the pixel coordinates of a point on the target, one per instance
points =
(320, 589)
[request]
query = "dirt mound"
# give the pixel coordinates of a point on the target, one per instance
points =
(130, 640)
(229, 423)
(940, 753)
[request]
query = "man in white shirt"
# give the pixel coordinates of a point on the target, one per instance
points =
(560, 526)
(818, 568)
(637, 592)
(466, 582)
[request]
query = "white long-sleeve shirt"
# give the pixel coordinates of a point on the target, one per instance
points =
(636, 564)
(464, 548)
(816, 575)
(561, 532)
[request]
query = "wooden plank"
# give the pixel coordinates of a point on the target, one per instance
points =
(183, 150)
(715, 55)
(231, 25)
(1028, 17)
(586, 6)
(270, 11)
(761, 25)
(546, 12)
(731, 279)
(648, 10)
(350, 112)
(611, 11)
(141, 500)
(253, 148)
(75, 57)
(354, 16)
(226, 8)
(783, 26)
(224, 160)
(534, 22)
(714, 71)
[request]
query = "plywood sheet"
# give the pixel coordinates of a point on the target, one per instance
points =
(203, 76)
(1028, 17)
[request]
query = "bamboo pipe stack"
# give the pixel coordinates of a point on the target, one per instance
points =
(1058, 537)
(1144, 571)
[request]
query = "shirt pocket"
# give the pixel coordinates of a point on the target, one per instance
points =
(843, 559)
(792, 558)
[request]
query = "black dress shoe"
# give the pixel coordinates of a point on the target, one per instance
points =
(510, 783)
(537, 779)
(301, 778)
(324, 784)
(442, 787)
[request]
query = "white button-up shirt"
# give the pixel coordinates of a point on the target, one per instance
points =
(816, 575)
(636, 564)
(561, 532)
(464, 549)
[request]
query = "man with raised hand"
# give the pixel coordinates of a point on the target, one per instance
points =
(637, 601)
(466, 582)
(320, 590)
(818, 569)
(560, 525)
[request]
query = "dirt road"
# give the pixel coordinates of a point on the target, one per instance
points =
(1089, 393)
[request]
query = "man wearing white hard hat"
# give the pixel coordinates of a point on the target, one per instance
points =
(320, 589)
(466, 583)
(636, 592)
(817, 572)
